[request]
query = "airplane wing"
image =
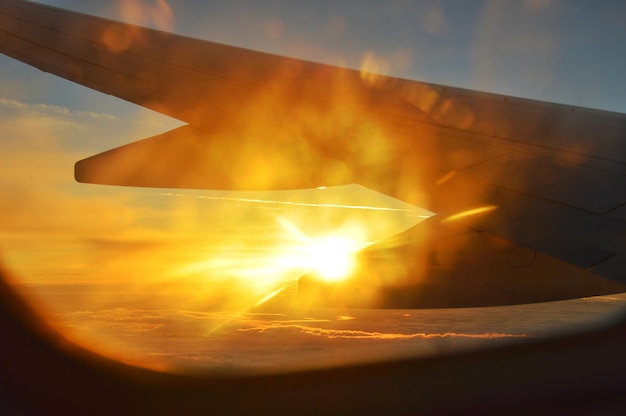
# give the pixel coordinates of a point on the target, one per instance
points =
(538, 189)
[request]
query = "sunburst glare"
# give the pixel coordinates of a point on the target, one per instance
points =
(332, 258)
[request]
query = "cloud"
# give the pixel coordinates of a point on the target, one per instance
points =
(434, 21)
(148, 327)
(176, 338)
(50, 109)
(371, 335)
(193, 340)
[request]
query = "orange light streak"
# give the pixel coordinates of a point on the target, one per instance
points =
(469, 213)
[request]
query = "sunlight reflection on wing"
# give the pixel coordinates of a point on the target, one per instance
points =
(469, 213)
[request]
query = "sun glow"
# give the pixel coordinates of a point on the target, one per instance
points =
(333, 258)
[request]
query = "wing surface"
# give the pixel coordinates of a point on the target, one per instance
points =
(548, 177)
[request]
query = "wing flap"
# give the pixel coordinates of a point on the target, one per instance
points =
(618, 213)
(571, 251)
(567, 232)
(590, 189)
(614, 268)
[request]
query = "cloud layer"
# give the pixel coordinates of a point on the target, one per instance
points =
(165, 337)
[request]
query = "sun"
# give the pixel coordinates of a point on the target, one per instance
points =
(332, 258)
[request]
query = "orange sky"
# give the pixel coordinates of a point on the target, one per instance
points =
(168, 249)
(54, 230)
